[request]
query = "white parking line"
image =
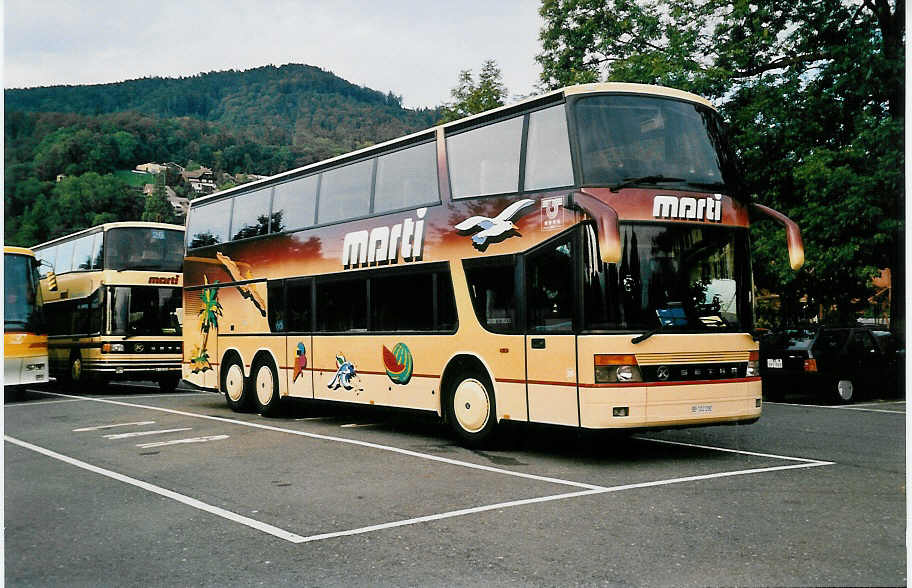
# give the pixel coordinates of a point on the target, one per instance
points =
(220, 512)
(588, 489)
(41, 402)
(840, 407)
(359, 425)
(182, 441)
(144, 433)
(101, 427)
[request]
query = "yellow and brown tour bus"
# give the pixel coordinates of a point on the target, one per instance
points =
(580, 258)
(113, 303)
(25, 351)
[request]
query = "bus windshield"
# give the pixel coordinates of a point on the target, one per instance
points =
(678, 277)
(646, 140)
(20, 291)
(144, 248)
(144, 310)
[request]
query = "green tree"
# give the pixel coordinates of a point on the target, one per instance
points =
(471, 97)
(157, 208)
(813, 91)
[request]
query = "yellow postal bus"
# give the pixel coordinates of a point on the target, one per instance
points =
(581, 258)
(25, 352)
(113, 303)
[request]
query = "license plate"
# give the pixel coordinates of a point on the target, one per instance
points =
(774, 363)
(701, 408)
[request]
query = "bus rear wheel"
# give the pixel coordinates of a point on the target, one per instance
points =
(470, 409)
(234, 385)
(265, 382)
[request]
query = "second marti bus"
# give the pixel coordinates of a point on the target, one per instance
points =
(581, 258)
(25, 354)
(113, 303)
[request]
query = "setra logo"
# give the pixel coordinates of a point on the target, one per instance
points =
(173, 280)
(705, 209)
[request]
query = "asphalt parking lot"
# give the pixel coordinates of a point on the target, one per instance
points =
(131, 487)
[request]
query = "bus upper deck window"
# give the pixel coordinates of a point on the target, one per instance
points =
(548, 162)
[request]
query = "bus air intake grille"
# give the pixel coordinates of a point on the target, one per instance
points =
(691, 357)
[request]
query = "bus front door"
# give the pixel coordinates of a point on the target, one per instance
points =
(551, 379)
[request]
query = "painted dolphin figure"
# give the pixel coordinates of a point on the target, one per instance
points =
(492, 227)
(343, 375)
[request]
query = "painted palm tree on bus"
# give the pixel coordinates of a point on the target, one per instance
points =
(209, 313)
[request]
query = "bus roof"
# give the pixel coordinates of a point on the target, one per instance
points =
(108, 226)
(18, 250)
(550, 97)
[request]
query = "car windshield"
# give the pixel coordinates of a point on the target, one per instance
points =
(144, 310)
(677, 277)
(20, 293)
(650, 140)
(144, 248)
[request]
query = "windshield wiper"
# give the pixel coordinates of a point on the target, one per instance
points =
(627, 182)
(646, 335)
(710, 185)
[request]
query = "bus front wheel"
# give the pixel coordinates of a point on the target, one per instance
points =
(168, 384)
(266, 385)
(471, 410)
(234, 387)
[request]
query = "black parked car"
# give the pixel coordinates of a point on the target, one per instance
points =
(839, 362)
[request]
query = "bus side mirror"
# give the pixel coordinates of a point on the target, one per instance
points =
(606, 221)
(792, 234)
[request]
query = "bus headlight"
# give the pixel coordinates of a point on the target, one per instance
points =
(113, 347)
(616, 368)
(753, 365)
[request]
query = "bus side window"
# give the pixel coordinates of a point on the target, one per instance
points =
(251, 214)
(485, 160)
(399, 307)
(345, 192)
(275, 294)
(342, 305)
(406, 178)
(82, 253)
(98, 251)
(492, 289)
(298, 302)
(294, 204)
(548, 150)
(446, 303)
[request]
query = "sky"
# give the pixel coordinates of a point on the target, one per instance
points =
(414, 48)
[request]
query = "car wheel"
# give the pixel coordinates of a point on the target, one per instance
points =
(234, 386)
(845, 390)
(471, 410)
(266, 384)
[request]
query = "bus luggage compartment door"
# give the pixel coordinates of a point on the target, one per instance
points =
(551, 379)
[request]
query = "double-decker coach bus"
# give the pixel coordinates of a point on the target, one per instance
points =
(113, 303)
(25, 352)
(581, 258)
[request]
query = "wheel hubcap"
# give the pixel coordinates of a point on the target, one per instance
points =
(845, 389)
(234, 382)
(264, 385)
(472, 405)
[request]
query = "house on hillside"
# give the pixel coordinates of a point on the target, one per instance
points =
(151, 168)
(202, 180)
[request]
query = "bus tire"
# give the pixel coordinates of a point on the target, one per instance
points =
(234, 385)
(168, 384)
(470, 409)
(265, 382)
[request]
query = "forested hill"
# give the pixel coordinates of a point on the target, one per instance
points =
(287, 105)
(260, 121)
